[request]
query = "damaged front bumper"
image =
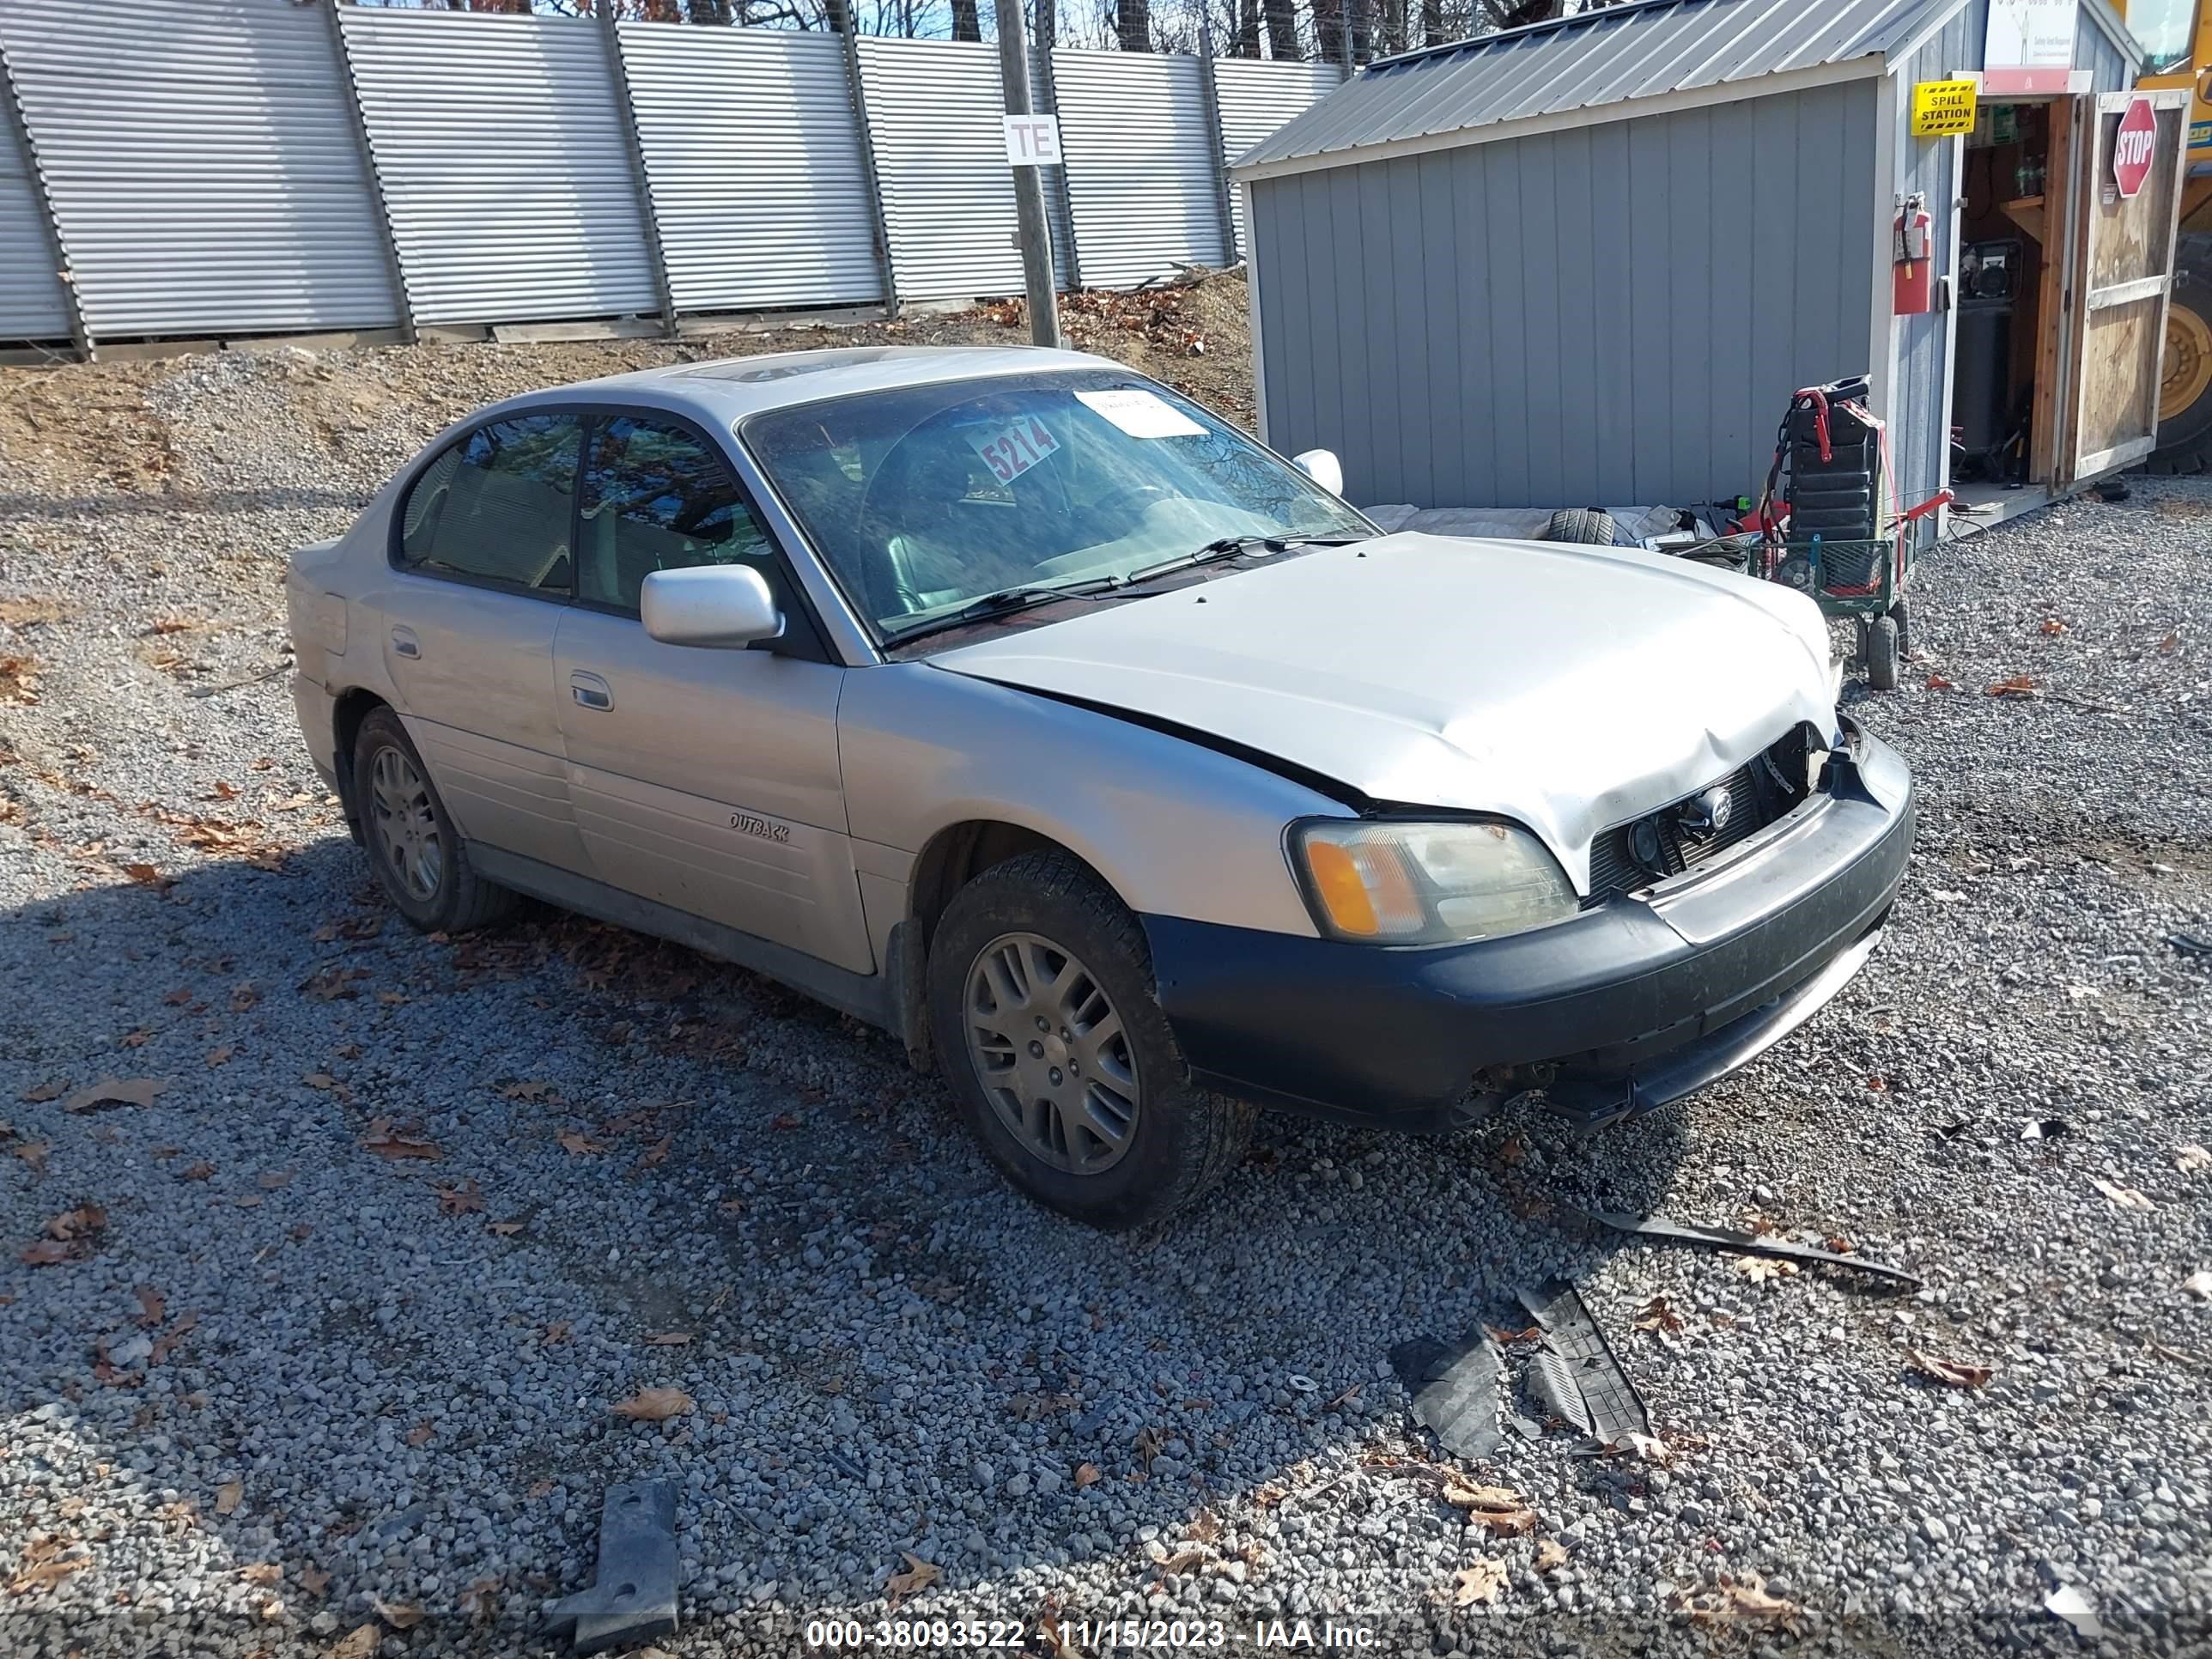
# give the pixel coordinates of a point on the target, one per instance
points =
(1634, 1003)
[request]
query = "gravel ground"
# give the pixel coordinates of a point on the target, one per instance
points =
(310, 1342)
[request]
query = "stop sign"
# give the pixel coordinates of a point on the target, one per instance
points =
(2132, 146)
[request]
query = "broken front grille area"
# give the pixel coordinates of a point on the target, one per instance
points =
(1680, 835)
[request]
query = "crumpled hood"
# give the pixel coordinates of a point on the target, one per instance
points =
(1568, 687)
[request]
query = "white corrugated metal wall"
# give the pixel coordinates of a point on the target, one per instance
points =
(31, 304)
(935, 108)
(1255, 98)
(498, 146)
(210, 179)
(1141, 164)
(755, 168)
(202, 163)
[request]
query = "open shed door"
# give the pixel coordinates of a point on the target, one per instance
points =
(2124, 258)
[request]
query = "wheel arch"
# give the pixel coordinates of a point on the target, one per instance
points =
(960, 852)
(348, 710)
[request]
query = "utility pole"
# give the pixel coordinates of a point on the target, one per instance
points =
(1033, 231)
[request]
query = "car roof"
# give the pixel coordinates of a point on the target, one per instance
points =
(730, 388)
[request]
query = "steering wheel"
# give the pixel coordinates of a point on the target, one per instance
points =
(1135, 496)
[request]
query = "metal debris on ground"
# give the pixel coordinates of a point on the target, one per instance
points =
(2067, 1603)
(2189, 945)
(1730, 1238)
(635, 1598)
(1575, 1375)
(1455, 1389)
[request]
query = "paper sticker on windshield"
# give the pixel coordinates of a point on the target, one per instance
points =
(1014, 448)
(1141, 414)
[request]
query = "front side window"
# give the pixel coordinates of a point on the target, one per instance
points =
(923, 499)
(658, 498)
(495, 507)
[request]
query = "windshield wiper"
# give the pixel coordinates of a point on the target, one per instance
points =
(999, 601)
(1228, 547)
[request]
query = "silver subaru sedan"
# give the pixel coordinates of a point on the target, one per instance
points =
(1115, 765)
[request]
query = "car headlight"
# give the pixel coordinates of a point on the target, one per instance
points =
(1386, 883)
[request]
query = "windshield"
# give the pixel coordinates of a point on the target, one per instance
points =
(923, 499)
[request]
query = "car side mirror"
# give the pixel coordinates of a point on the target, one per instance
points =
(1323, 467)
(725, 605)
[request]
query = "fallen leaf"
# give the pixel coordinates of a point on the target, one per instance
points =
(576, 1141)
(147, 875)
(668, 1340)
(656, 1153)
(1947, 1371)
(1501, 1508)
(1205, 1527)
(199, 1171)
(1087, 1474)
(919, 1576)
(153, 1308)
(1731, 1603)
(2053, 627)
(530, 1089)
(242, 998)
(2018, 686)
(504, 1228)
(264, 1573)
(1483, 1581)
(655, 1405)
(557, 1332)
(1937, 683)
(1658, 1315)
(34, 1153)
(783, 1121)
(80, 1222)
(39, 1091)
(46, 1253)
(465, 1199)
(2169, 644)
(1759, 1269)
(2189, 1157)
(387, 1142)
(2126, 1197)
(480, 1602)
(319, 1080)
(420, 1433)
(116, 1091)
(313, 1580)
(360, 1643)
(1551, 1555)
(46, 1571)
(219, 1056)
(398, 1615)
(228, 1496)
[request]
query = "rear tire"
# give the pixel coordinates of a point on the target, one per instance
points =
(1881, 654)
(1586, 525)
(2185, 402)
(419, 857)
(1035, 971)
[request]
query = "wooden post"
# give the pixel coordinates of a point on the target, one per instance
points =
(1034, 232)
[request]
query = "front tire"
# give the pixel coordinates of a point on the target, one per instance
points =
(420, 859)
(1043, 1008)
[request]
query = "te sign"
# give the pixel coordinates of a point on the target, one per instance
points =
(1032, 141)
(2132, 147)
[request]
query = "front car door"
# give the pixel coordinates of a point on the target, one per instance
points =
(704, 780)
(481, 571)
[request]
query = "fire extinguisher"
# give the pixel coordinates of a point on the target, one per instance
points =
(1912, 241)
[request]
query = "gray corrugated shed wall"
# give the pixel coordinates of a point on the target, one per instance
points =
(1920, 428)
(1536, 321)
(32, 304)
(202, 163)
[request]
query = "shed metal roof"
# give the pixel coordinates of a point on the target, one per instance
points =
(1616, 54)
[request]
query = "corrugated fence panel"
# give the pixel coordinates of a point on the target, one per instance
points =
(754, 165)
(1141, 163)
(32, 306)
(1255, 98)
(935, 110)
(499, 143)
(203, 164)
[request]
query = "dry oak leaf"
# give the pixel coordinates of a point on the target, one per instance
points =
(528, 1089)
(1551, 1555)
(228, 1496)
(1658, 1315)
(313, 1580)
(34, 1153)
(1734, 1603)
(319, 1080)
(360, 1643)
(117, 1091)
(199, 1171)
(1947, 1371)
(220, 1056)
(397, 1614)
(78, 1224)
(43, 1567)
(46, 1253)
(1480, 1581)
(1759, 1269)
(147, 875)
(1087, 1474)
(387, 1142)
(463, 1199)
(655, 1405)
(39, 1091)
(576, 1141)
(919, 1576)
(1501, 1508)
(656, 1153)
(152, 1307)
(264, 1573)
(668, 1340)
(420, 1435)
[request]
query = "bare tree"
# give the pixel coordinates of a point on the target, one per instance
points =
(1282, 19)
(1245, 43)
(1433, 22)
(967, 24)
(1132, 24)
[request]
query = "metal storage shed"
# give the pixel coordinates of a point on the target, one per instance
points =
(1588, 261)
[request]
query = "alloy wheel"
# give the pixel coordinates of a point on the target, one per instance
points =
(1051, 1052)
(405, 826)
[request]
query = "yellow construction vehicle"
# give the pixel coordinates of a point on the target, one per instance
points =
(2176, 36)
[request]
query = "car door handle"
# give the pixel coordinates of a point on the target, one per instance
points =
(590, 691)
(404, 642)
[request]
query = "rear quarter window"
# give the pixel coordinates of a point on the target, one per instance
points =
(496, 507)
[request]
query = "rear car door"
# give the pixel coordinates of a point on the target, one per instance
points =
(704, 780)
(482, 569)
